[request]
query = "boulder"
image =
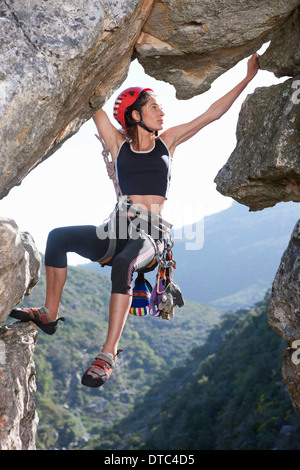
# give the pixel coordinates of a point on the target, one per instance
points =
(264, 167)
(20, 265)
(189, 43)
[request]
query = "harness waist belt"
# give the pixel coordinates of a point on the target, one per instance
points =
(122, 207)
(125, 204)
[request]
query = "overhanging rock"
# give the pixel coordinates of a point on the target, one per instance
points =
(189, 43)
(264, 168)
(60, 61)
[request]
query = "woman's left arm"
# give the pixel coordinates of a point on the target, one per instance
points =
(179, 134)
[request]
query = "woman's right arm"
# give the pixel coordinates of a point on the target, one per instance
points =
(112, 137)
(179, 134)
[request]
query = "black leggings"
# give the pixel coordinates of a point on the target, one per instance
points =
(131, 254)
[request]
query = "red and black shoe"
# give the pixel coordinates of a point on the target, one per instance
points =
(39, 316)
(100, 370)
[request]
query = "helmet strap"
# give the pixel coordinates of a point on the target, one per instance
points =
(143, 125)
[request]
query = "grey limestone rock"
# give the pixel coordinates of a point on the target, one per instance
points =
(18, 417)
(60, 61)
(20, 265)
(284, 313)
(264, 167)
(284, 310)
(190, 43)
(283, 55)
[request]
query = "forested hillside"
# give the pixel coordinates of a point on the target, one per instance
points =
(200, 381)
(70, 413)
(228, 395)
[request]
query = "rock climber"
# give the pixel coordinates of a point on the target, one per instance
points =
(142, 160)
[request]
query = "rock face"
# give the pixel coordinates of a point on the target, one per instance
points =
(189, 43)
(284, 313)
(283, 55)
(19, 272)
(284, 310)
(20, 265)
(61, 60)
(18, 417)
(264, 168)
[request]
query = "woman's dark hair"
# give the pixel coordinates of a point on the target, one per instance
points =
(142, 100)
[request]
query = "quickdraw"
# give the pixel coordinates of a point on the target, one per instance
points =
(167, 294)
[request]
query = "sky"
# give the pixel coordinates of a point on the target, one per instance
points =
(72, 187)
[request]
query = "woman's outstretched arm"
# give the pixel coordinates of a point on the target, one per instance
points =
(179, 134)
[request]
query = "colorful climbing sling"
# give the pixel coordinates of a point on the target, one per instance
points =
(141, 293)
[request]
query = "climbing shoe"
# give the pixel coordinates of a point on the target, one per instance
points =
(39, 316)
(100, 370)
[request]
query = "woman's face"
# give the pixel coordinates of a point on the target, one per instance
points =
(153, 114)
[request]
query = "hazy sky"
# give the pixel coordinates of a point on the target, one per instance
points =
(72, 187)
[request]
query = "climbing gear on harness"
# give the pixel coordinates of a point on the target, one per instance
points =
(141, 293)
(100, 370)
(39, 316)
(124, 101)
(166, 294)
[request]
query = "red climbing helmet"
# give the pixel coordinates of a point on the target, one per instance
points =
(124, 100)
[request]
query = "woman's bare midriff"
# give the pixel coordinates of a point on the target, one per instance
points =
(150, 203)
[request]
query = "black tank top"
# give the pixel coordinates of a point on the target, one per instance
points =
(144, 173)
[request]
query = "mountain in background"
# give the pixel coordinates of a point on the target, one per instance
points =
(241, 254)
(239, 259)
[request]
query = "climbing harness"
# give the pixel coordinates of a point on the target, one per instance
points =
(161, 300)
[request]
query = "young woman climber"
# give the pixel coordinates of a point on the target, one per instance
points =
(142, 162)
